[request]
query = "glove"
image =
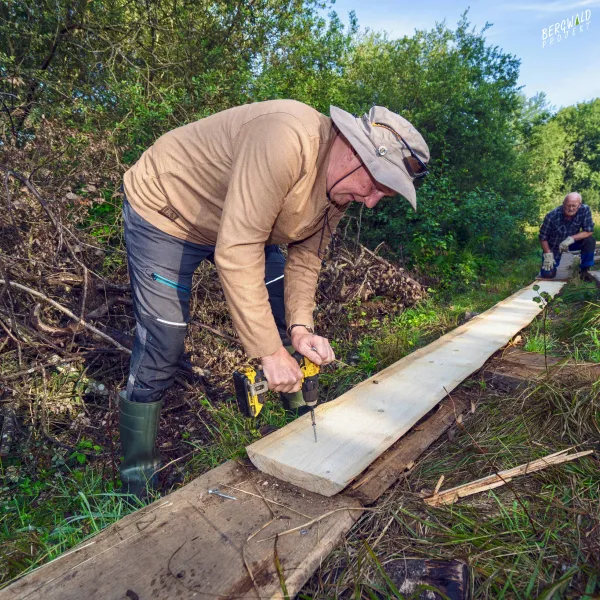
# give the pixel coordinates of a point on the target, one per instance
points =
(548, 261)
(564, 245)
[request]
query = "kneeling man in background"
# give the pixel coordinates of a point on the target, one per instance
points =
(566, 228)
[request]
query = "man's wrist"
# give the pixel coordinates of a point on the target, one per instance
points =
(308, 328)
(272, 357)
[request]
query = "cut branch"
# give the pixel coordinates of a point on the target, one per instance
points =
(493, 481)
(229, 338)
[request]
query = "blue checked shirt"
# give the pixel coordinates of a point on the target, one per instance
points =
(556, 228)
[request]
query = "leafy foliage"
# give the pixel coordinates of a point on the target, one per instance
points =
(134, 71)
(463, 95)
(564, 155)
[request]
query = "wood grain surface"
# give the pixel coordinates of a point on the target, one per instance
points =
(361, 424)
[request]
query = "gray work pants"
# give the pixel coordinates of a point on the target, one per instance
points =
(161, 267)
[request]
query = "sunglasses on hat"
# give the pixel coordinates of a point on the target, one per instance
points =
(416, 168)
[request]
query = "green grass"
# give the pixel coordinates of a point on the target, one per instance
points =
(519, 541)
(536, 339)
(536, 538)
(231, 432)
(63, 506)
(572, 326)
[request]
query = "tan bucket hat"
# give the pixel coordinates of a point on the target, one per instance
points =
(378, 138)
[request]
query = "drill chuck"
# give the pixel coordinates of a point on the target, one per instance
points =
(310, 391)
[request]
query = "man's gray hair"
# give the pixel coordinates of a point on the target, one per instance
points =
(573, 196)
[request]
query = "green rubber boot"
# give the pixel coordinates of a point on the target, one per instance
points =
(138, 428)
(293, 403)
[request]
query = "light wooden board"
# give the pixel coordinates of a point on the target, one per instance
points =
(509, 370)
(401, 457)
(189, 544)
(361, 424)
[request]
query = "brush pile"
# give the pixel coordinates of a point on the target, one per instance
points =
(358, 276)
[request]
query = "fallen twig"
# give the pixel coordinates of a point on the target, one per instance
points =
(237, 489)
(23, 329)
(47, 365)
(105, 307)
(74, 279)
(492, 464)
(51, 330)
(67, 312)
(493, 481)
(83, 305)
(315, 520)
(229, 338)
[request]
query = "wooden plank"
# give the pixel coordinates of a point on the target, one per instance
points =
(509, 370)
(565, 269)
(450, 577)
(516, 369)
(361, 424)
(390, 466)
(190, 544)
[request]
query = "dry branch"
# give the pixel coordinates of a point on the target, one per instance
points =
(51, 330)
(493, 481)
(229, 338)
(26, 332)
(73, 279)
(44, 204)
(105, 307)
(50, 364)
(67, 312)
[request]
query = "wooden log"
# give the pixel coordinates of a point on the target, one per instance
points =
(191, 544)
(450, 577)
(361, 424)
(516, 369)
(501, 478)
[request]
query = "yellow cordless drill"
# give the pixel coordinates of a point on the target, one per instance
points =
(251, 385)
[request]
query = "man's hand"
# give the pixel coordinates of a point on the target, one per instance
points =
(282, 371)
(548, 261)
(564, 245)
(314, 347)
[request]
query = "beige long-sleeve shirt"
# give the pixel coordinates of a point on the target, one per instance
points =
(240, 179)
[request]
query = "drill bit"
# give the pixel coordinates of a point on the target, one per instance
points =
(312, 410)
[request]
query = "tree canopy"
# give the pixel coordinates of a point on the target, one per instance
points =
(131, 70)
